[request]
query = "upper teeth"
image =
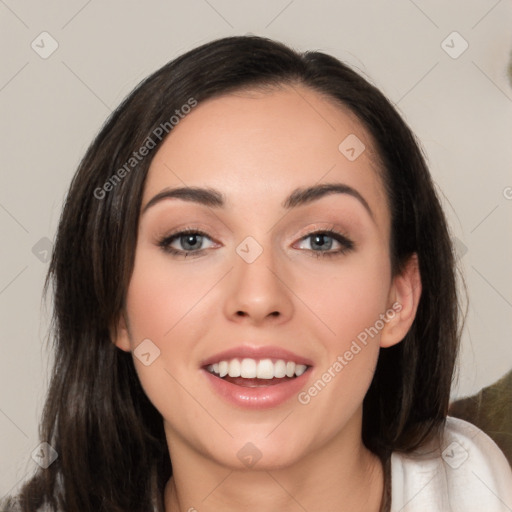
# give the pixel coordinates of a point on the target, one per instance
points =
(257, 369)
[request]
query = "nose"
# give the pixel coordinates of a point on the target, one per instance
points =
(258, 292)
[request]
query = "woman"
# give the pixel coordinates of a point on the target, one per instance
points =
(255, 303)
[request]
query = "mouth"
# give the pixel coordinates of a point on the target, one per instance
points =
(253, 373)
(251, 377)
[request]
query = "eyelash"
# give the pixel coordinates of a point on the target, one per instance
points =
(344, 241)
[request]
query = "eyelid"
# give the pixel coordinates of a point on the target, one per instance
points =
(326, 228)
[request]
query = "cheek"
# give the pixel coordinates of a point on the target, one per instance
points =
(161, 306)
(166, 305)
(161, 296)
(348, 298)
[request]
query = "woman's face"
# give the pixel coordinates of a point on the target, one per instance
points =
(274, 267)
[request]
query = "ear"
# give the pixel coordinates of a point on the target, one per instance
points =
(404, 297)
(119, 333)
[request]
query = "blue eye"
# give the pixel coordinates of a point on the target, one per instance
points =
(321, 243)
(191, 242)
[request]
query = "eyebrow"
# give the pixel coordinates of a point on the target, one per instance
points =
(299, 197)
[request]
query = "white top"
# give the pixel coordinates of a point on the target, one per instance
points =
(465, 472)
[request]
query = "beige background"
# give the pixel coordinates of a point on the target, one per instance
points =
(460, 108)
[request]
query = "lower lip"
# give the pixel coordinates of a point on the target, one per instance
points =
(263, 397)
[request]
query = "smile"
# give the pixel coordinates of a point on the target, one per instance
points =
(256, 378)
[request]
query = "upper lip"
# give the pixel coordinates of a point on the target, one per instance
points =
(257, 352)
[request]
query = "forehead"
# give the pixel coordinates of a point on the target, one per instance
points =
(257, 146)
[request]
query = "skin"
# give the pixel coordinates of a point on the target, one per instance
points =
(256, 148)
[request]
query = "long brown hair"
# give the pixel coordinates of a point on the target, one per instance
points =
(112, 452)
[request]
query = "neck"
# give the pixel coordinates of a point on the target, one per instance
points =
(337, 476)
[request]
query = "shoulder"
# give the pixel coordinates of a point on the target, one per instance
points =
(462, 470)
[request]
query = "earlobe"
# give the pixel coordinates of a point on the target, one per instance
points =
(404, 297)
(119, 334)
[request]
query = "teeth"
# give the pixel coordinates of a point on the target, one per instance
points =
(300, 369)
(248, 368)
(261, 369)
(234, 368)
(279, 369)
(223, 368)
(265, 369)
